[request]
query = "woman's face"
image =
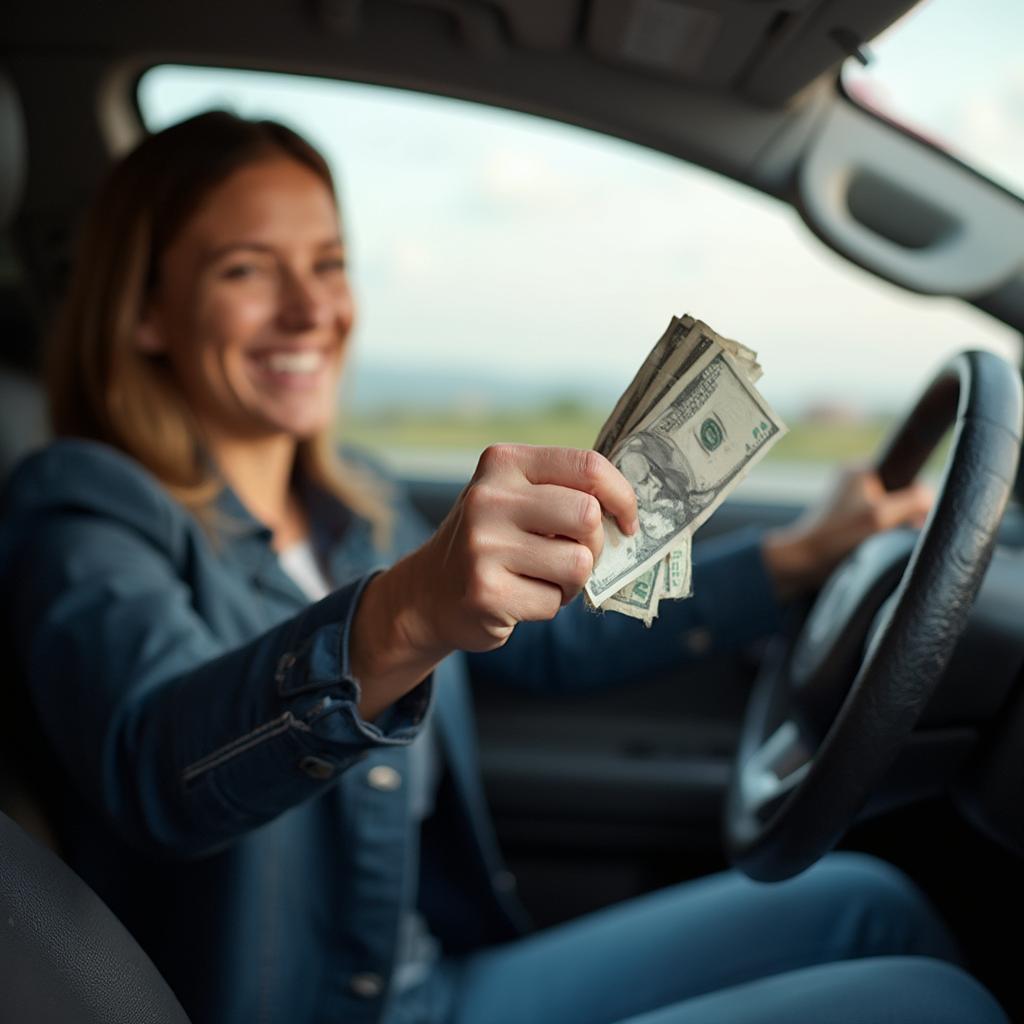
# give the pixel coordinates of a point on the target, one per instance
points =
(253, 307)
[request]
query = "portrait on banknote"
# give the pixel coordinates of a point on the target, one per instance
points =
(663, 482)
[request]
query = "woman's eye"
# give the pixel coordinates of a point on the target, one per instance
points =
(334, 264)
(239, 271)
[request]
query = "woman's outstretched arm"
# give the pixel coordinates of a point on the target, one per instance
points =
(182, 736)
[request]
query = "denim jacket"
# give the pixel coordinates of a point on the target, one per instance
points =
(217, 781)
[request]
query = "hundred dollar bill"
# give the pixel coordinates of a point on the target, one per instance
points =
(690, 347)
(683, 343)
(669, 578)
(677, 577)
(637, 395)
(640, 599)
(699, 438)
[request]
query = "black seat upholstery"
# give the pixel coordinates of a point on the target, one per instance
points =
(64, 957)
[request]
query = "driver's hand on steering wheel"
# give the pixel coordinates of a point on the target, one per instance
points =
(801, 556)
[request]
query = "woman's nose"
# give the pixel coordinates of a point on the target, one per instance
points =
(303, 304)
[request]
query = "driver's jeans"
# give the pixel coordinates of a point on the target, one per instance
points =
(850, 941)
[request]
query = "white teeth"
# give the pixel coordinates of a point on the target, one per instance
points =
(295, 362)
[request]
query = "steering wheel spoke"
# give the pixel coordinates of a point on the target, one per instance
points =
(774, 769)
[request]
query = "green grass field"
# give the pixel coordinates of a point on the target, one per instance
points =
(577, 427)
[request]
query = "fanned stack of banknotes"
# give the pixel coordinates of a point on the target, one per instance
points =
(688, 429)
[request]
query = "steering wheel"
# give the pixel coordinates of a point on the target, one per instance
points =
(824, 724)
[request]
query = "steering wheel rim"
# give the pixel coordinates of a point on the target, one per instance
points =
(795, 788)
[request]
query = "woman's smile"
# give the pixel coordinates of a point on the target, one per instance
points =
(293, 369)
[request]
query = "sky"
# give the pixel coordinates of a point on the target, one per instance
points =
(955, 70)
(499, 244)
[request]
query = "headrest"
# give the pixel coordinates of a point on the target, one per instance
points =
(13, 151)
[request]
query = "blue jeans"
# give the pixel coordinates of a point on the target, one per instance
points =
(851, 941)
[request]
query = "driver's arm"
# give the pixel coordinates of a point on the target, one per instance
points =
(801, 556)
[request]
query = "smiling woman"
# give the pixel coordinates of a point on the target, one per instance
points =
(252, 309)
(246, 315)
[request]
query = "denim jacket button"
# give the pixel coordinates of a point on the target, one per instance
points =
(316, 767)
(366, 985)
(384, 778)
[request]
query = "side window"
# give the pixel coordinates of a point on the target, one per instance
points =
(512, 273)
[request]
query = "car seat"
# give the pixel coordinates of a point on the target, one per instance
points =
(64, 957)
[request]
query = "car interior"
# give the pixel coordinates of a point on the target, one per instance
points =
(602, 799)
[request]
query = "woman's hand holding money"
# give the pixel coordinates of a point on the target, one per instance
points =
(519, 543)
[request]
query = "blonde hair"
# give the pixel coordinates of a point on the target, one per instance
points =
(100, 385)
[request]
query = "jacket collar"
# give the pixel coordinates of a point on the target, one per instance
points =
(340, 538)
(248, 543)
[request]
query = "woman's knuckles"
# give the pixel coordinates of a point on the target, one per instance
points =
(485, 597)
(591, 468)
(498, 458)
(477, 546)
(481, 501)
(589, 514)
(581, 565)
(540, 603)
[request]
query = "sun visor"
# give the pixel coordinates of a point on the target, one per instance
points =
(901, 208)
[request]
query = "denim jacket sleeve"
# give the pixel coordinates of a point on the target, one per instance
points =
(733, 604)
(184, 741)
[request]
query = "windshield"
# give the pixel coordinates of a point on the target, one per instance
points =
(512, 274)
(951, 71)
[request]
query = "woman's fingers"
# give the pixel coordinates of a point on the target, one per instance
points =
(536, 600)
(908, 506)
(552, 511)
(519, 543)
(576, 469)
(554, 560)
(495, 542)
